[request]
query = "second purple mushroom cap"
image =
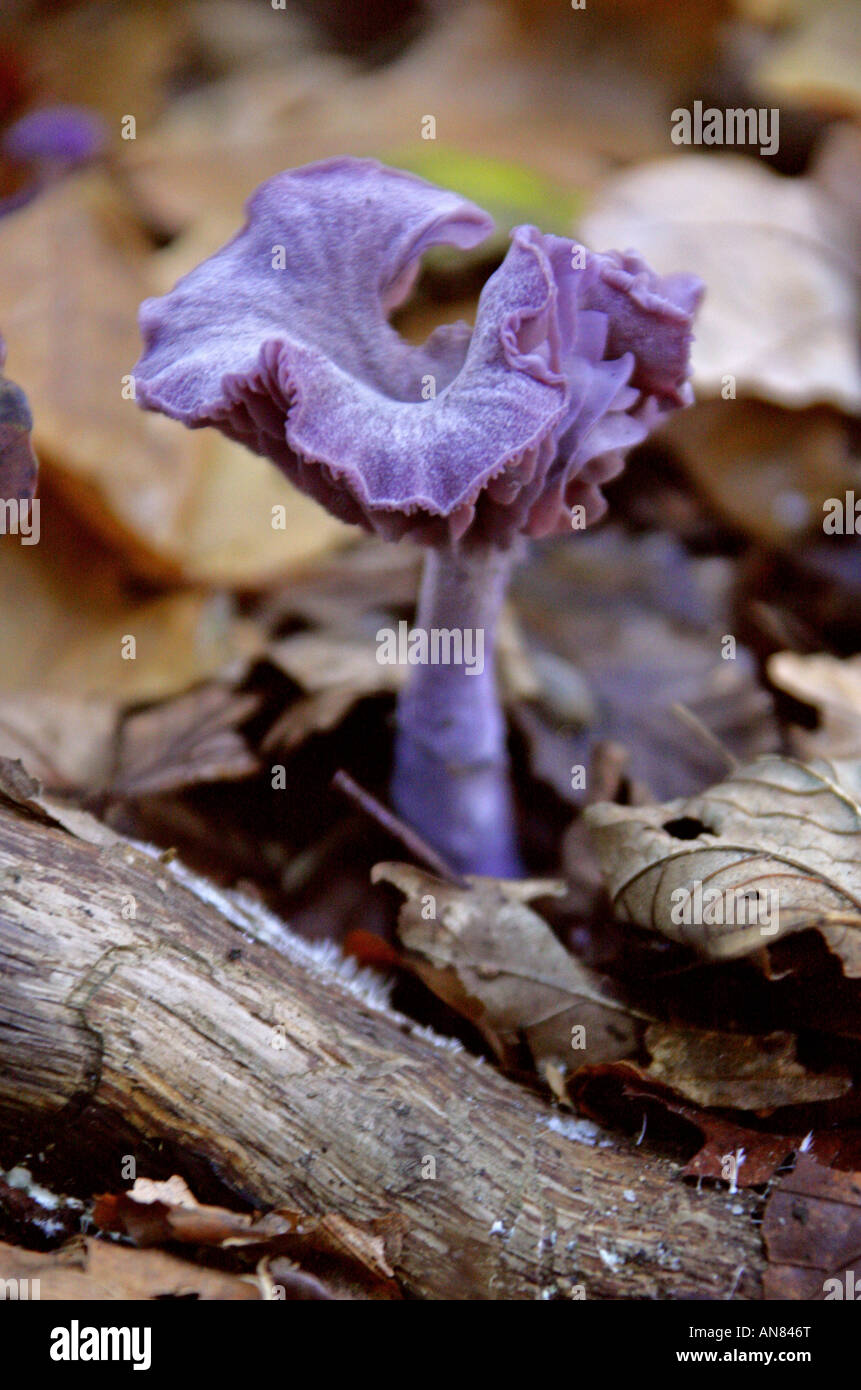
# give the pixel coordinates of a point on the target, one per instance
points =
(480, 436)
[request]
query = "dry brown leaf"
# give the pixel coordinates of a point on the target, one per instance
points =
(490, 956)
(624, 1093)
(781, 313)
(336, 671)
(226, 535)
(767, 471)
(343, 590)
(641, 624)
(735, 1070)
(151, 1213)
(17, 786)
(67, 613)
(184, 742)
(787, 833)
(812, 1233)
(490, 96)
(182, 503)
(66, 741)
(833, 688)
(330, 660)
(353, 1257)
(315, 714)
(90, 1270)
(115, 59)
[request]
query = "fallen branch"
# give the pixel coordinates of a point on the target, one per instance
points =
(126, 1019)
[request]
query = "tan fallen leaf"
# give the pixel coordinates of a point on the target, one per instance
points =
(489, 955)
(640, 624)
(341, 591)
(17, 786)
(623, 1091)
(66, 741)
(88, 1270)
(311, 714)
(780, 319)
(152, 1213)
(182, 504)
(336, 669)
(174, 1190)
(254, 125)
(774, 849)
(767, 471)
(818, 63)
(833, 687)
(331, 660)
(245, 525)
(68, 615)
(115, 59)
(736, 1071)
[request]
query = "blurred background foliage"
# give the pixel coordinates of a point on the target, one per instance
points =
(543, 113)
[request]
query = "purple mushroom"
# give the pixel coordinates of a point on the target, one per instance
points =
(65, 135)
(51, 140)
(466, 444)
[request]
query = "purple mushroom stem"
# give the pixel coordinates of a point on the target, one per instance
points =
(451, 775)
(467, 444)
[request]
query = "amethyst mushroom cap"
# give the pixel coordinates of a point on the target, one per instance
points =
(466, 443)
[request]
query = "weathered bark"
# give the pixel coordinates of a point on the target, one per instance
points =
(117, 1032)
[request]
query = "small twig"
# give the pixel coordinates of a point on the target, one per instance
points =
(688, 717)
(393, 825)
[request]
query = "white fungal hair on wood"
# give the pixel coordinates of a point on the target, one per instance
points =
(421, 1030)
(324, 959)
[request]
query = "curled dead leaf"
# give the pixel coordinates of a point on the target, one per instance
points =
(185, 741)
(833, 688)
(354, 1257)
(69, 615)
(491, 957)
(735, 1070)
(773, 849)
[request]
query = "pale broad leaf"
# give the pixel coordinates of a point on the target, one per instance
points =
(786, 831)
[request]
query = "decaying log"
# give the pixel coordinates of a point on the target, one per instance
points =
(129, 1025)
